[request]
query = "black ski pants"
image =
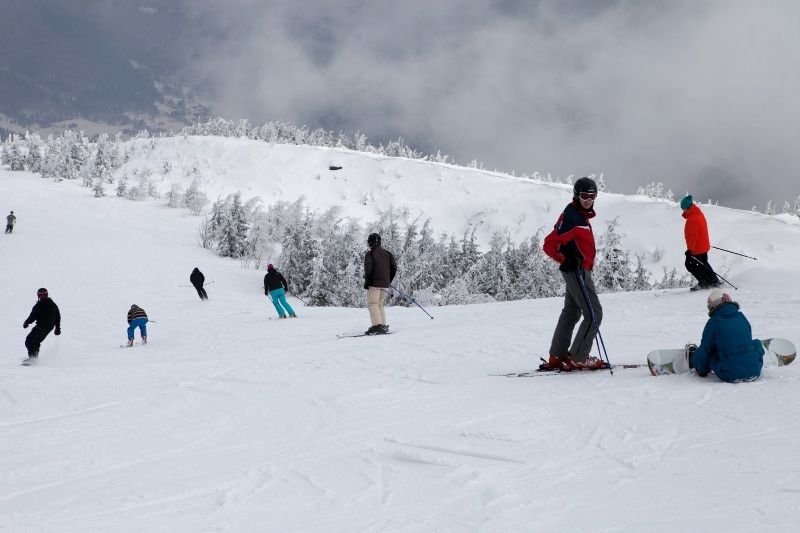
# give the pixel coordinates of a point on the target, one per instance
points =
(201, 292)
(698, 266)
(34, 339)
(575, 307)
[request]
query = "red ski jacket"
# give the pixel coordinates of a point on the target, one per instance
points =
(572, 225)
(695, 231)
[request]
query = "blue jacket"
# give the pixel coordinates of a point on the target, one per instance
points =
(728, 348)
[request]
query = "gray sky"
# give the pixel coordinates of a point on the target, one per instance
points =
(700, 95)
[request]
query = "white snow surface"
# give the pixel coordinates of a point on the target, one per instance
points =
(232, 421)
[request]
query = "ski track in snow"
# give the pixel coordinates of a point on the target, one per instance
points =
(227, 421)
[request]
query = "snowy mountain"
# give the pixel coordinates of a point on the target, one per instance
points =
(455, 198)
(230, 420)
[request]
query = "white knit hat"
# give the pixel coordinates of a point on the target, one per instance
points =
(717, 298)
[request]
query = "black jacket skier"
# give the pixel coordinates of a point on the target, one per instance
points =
(380, 269)
(274, 280)
(197, 279)
(47, 316)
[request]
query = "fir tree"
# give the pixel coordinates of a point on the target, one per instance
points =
(233, 236)
(613, 270)
(299, 252)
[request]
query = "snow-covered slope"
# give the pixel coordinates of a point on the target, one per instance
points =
(452, 196)
(229, 421)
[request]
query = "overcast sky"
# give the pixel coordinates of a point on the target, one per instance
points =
(701, 96)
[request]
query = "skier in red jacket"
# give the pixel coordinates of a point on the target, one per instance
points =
(695, 231)
(571, 244)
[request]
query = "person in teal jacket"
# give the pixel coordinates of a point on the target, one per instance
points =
(727, 348)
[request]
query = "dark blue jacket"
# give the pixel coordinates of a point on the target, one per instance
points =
(728, 348)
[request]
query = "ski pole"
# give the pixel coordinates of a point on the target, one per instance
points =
(735, 253)
(578, 274)
(412, 300)
(296, 296)
(712, 271)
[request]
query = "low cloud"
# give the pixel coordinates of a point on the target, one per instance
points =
(698, 95)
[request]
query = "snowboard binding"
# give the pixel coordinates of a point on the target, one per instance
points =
(689, 350)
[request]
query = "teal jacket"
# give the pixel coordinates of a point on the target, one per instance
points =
(728, 348)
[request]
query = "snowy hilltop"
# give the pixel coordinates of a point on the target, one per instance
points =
(231, 420)
(465, 234)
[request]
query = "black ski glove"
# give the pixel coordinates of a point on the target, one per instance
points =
(571, 264)
(366, 284)
(572, 257)
(57, 331)
(688, 253)
(25, 325)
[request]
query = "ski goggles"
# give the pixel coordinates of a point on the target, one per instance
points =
(587, 195)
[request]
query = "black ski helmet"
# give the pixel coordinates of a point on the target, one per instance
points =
(584, 185)
(41, 293)
(373, 240)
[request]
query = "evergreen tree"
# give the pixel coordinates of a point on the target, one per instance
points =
(488, 275)
(98, 188)
(613, 268)
(641, 276)
(174, 196)
(233, 236)
(122, 186)
(194, 199)
(33, 153)
(299, 252)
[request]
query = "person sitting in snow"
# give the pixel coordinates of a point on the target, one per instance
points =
(727, 348)
(137, 318)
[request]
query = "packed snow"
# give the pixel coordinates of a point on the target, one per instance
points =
(230, 420)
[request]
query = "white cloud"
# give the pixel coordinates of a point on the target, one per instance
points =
(696, 95)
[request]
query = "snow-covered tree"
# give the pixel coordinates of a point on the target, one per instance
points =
(299, 253)
(233, 233)
(98, 189)
(613, 268)
(174, 197)
(195, 199)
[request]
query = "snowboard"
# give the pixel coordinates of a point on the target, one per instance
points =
(29, 361)
(777, 352)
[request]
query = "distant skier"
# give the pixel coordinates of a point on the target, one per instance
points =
(47, 316)
(695, 231)
(571, 244)
(137, 318)
(11, 221)
(275, 287)
(197, 279)
(727, 348)
(379, 271)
